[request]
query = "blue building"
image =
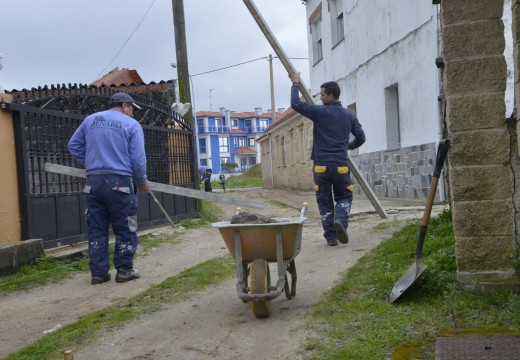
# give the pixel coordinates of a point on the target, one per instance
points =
(230, 137)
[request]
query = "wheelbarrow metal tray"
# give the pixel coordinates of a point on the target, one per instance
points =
(258, 241)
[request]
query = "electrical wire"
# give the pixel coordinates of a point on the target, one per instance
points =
(242, 63)
(127, 40)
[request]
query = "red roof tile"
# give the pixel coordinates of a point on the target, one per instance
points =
(119, 77)
(245, 150)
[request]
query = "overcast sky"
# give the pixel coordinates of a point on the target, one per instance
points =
(71, 41)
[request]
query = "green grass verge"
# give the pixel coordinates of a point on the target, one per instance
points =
(50, 269)
(357, 321)
(177, 288)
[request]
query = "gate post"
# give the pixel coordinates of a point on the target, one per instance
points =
(9, 207)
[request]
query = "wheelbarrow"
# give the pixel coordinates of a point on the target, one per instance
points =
(254, 246)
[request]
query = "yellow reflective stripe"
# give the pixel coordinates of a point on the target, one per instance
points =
(320, 169)
(316, 187)
(343, 169)
(350, 188)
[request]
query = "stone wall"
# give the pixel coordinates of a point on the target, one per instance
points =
(405, 173)
(483, 161)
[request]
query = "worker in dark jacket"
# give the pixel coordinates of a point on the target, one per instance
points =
(333, 125)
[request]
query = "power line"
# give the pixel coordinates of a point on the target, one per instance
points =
(122, 47)
(242, 63)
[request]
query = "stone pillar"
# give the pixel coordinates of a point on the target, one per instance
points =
(10, 232)
(483, 158)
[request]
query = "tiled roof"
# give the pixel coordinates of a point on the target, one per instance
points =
(237, 131)
(281, 118)
(119, 77)
(245, 150)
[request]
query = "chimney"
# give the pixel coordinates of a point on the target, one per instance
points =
(228, 117)
(258, 110)
(222, 110)
(281, 110)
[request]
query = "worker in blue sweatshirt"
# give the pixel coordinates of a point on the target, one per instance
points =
(332, 126)
(110, 144)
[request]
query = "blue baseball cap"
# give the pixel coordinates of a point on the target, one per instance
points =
(122, 97)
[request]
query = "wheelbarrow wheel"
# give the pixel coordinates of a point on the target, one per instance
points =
(259, 272)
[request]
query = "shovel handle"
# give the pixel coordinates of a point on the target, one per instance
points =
(442, 151)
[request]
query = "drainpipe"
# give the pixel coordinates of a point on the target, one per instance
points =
(442, 101)
(272, 159)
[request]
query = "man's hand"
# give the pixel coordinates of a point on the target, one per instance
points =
(295, 78)
(145, 186)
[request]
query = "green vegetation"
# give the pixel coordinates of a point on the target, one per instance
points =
(177, 288)
(251, 178)
(49, 269)
(357, 321)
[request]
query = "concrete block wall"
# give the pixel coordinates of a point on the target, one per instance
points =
(483, 159)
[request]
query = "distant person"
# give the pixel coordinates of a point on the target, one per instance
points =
(222, 180)
(205, 177)
(110, 144)
(332, 126)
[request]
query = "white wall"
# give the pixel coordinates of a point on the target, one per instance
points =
(386, 42)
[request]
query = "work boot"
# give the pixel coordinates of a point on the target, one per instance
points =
(96, 280)
(341, 232)
(124, 275)
(332, 242)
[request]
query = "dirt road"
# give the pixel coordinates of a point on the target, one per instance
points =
(214, 323)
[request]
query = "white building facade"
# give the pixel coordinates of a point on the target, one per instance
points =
(383, 56)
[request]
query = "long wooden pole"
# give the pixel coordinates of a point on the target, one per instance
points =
(303, 89)
(169, 189)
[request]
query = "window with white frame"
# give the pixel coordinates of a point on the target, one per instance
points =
(336, 21)
(234, 123)
(393, 131)
(317, 52)
(263, 124)
(223, 144)
(315, 30)
(242, 142)
(218, 124)
(250, 142)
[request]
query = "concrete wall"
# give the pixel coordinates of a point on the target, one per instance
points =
(294, 169)
(483, 158)
(10, 232)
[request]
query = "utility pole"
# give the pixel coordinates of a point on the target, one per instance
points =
(183, 77)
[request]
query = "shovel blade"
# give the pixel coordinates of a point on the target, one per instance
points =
(407, 280)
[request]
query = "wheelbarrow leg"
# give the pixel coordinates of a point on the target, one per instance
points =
(241, 284)
(290, 291)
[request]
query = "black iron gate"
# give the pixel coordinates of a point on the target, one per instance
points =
(52, 205)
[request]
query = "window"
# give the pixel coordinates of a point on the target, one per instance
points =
(250, 142)
(336, 21)
(283, 150)
(234, 123)
(223, 144)
(202, 146)
(263, 124)
(224, 160)
(252, 161)
(393, 131)
(242, 142)
(203, 162)
(218, 124)
(248, 125)
(315, 30)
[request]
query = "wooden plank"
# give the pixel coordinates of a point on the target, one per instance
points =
(170, 189)
(303, 89)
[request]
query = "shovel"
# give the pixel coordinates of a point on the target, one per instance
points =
(416, 269)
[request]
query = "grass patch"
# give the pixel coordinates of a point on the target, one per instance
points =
(50, 269)
(251, 178)
(357, 321)
(177, 288)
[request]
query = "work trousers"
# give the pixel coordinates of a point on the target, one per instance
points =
(333, 187)
(111, 200)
